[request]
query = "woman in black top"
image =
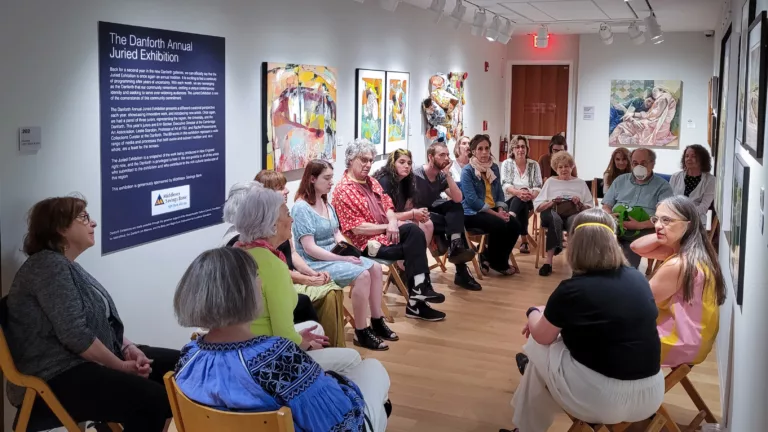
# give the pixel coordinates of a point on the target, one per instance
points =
(594, 350)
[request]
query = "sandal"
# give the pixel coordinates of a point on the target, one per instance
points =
(522, 361)
(509, 271)
(382, 330)
(524, 249)
(366, 338)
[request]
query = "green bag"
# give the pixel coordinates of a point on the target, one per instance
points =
(637, 213)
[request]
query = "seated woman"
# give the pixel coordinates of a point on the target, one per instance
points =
(264, 223)
(461, 153)
(556, 144)
(695, 181)
(485, 209)
(521, 181)
(618, 165)
(560, 200)
(593, 351)
(316, 228)
(320, 300)
(230, 369)
(63, 328)
(688, 287)
(396, 179)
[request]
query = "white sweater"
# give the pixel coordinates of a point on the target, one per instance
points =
(554, 188)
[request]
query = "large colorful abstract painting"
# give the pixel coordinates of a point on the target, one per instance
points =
(645, 113)
(300, 115)
(370, 107)
(444, 108)
(397, 111)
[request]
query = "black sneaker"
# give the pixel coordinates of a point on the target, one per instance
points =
(545, 270)
(421, 310)
(465, 280)
(382, 330)
(522, 362)
(425, 292)
(388, 407)
(458, 254)
(366, 338)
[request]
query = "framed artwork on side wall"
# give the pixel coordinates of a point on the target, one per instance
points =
(747, 16)
(299, 115)
(396, 122)
(369, 107)
(755, 93)
(722, 115)
(738, 233)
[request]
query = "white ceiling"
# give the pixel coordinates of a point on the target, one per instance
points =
(585, 16)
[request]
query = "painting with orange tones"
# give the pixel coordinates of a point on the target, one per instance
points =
(397, 111)
(299, 115)
(371, 100)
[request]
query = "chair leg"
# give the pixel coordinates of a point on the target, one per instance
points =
(395, 275)
(514, 261)
(675, 377)
(697, 400)
(478, 272)
(385, 310)
(657, 424)
(349, 318)
(670, 425)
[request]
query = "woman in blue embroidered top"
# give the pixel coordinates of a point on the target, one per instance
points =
(230, 369)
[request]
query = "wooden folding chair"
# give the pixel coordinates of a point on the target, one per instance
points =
(35, 388)
(541, 251)
(656, 424)
(189, 416)
(478, 240)
(713, 227)
(679, 375)
(350, 319)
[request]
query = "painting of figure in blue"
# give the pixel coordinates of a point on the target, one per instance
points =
(645, 113)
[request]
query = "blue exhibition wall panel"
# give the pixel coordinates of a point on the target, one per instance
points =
(162, 133)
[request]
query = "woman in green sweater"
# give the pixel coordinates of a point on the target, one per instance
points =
(264, 223)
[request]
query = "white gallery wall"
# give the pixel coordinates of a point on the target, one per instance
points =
(52, 81)
(682, 56)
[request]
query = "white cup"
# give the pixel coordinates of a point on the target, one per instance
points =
(373, 247)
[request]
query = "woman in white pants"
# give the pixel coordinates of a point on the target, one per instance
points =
(231, 369)
(594, 351)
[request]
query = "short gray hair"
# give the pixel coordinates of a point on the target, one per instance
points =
(358, 147)
(651, 153)
(237, 194)
(219, 289)
(257, 216)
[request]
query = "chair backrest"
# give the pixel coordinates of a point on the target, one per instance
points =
(666, 177)
(190, 416)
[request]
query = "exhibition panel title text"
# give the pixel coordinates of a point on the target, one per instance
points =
(149, 49)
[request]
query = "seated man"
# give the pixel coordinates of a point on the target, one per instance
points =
(632, 199)
(447, 217)
(366, 213)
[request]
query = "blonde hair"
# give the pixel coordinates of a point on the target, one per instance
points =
(513, 142)
(561, 157)
(271, 179)
(593, 247)
(458, 144)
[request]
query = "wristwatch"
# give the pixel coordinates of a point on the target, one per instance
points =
(531, 309)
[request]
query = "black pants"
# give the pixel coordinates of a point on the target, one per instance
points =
(96, 393)
(522, 211)
(555, 226)
(502, 237)
(412, 249)
(447, 217)
(304, 310)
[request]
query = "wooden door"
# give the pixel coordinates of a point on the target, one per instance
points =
(539, 104)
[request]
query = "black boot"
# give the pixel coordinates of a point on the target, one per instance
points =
(464, 279)
(382, 330)
(458, 254)
(366, 338)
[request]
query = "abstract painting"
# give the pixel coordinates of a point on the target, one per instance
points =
(456, 85)
(369, 108)
(397, 111)
(754, 109)
(444, 108)
(645, 113)
(738, 233)
(299, 115)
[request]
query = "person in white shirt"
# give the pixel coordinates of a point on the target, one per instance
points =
(521, 182)
(461, 152)
(695, 181)
(560, 200)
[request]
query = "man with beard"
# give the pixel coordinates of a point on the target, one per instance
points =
(447, 216)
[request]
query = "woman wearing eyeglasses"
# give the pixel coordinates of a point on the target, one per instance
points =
(688, 287)
(63, 327)
(521, 181)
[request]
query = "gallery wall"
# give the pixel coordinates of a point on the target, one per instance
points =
(682, 56)
(742, 345)
(53, 83)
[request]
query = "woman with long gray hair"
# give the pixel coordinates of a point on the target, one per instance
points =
(689, 285)
(231, 369)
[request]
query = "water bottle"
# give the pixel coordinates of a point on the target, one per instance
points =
(713, 427)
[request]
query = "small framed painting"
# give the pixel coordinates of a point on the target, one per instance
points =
(738, 232)
(369, 107)
(397, 118)
(747, 16)
(754, 109)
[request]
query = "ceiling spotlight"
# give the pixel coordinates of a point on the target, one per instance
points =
(606, 34)
(438, 6)
(493, 31)
(652, 27)
(542, 38)
(479, 23)
(458, 13)
(635, 34)
(505, 33)
(389, 5)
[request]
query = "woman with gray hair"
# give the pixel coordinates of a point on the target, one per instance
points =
(230, 369)
(236, 196)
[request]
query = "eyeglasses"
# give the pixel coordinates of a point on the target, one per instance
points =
(365, 160)
(518, 147)
(665, 220)
(85, 218)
